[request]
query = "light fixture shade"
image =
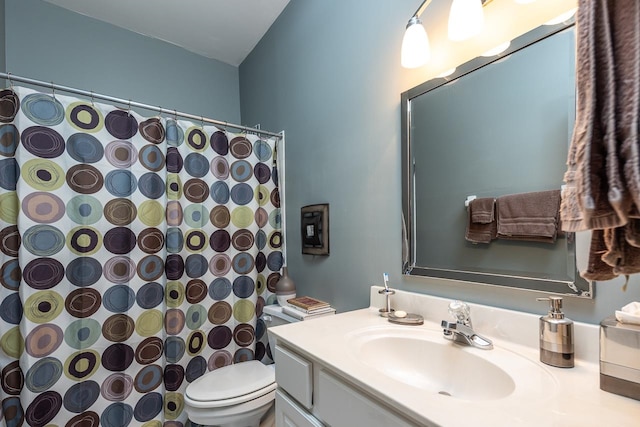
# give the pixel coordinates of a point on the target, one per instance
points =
(415, 45)
(466, 19)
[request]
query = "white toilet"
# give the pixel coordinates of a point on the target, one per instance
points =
(237, 395)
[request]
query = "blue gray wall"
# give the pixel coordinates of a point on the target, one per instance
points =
(48, 43)
(328, 73)
(2, 37)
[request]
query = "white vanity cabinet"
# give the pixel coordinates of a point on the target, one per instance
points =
(290, 414)
(356, 369)
(310, 395)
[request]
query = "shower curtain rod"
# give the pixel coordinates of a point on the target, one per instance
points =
(129, 103)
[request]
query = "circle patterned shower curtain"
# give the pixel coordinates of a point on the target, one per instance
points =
(136, 255)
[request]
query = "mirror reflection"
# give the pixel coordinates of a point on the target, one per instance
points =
(497, 127)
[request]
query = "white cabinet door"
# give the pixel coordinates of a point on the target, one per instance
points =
(288, 414)
(293, 374)
(339, 405)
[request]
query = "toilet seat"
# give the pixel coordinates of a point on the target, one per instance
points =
(231, 385)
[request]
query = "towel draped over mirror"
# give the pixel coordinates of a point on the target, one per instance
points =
(602, 190)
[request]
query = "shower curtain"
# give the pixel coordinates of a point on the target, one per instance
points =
(136, 255)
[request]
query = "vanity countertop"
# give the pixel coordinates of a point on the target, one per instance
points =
(575, 399)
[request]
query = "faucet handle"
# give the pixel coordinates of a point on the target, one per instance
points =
(461, 311)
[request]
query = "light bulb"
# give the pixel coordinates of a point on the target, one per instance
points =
(466, 19)
(415, 45)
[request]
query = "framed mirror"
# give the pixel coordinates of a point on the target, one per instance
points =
(498, 126)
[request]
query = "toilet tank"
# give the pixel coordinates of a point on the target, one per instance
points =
(272, 315)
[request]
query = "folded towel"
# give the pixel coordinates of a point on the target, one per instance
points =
(630, 313)
(482, 210)
(481, 221)
(529, 216)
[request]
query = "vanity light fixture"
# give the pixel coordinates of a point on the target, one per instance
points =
(415, 45)
(466, 19)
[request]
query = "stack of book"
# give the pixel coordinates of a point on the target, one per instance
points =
(305, 308)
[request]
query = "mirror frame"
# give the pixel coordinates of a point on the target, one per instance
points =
(580, 287)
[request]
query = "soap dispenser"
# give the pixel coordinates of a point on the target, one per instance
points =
(556, 336)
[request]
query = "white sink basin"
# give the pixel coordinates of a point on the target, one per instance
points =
(423, 359)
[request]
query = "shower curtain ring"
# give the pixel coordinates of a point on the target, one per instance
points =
(92, 99)
(53, 91)
(129, 109)
(202, 122)
(10, 81)
(175, 115)
(160, 112)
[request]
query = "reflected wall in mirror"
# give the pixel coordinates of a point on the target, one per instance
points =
(498, 126)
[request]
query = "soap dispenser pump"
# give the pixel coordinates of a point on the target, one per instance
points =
(556, 336)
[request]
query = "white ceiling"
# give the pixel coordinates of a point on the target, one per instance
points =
(226, 30)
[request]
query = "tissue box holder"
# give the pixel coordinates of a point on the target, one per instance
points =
(620, 358)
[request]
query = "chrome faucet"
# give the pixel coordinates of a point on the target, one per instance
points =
(461, 331)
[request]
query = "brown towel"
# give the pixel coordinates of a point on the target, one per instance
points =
(481, 221)
(597, 269)
(613, 252)
(603, 174)
(603, 179)
(632, 232)
(529, 216)
(623, 257)
(482, 210)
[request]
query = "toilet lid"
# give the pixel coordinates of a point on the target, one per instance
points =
(231, 381)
